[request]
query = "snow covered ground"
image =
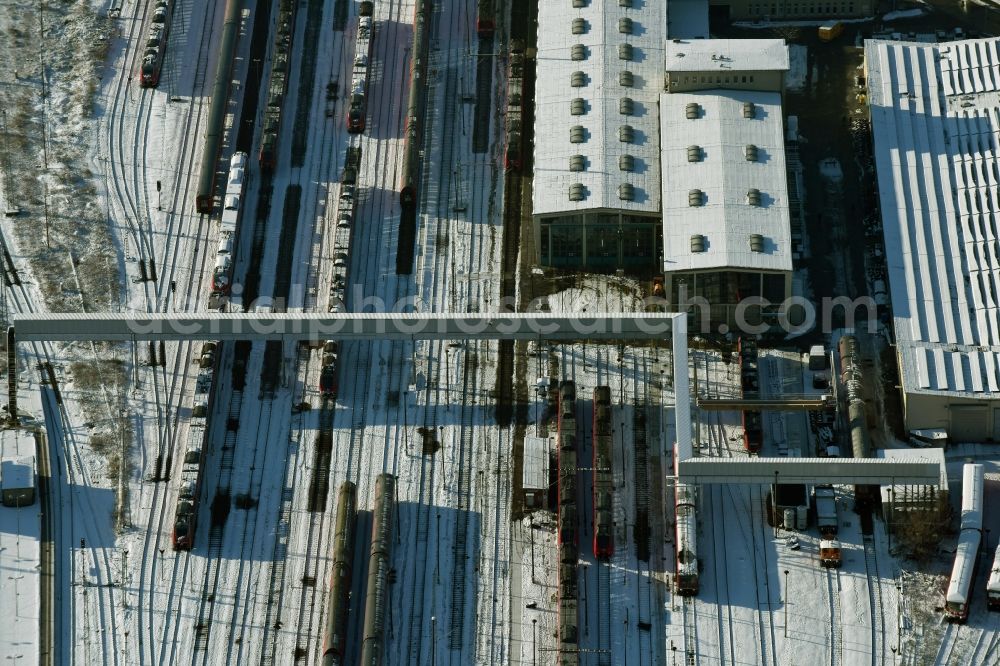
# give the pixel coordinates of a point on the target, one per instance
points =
(471, 586)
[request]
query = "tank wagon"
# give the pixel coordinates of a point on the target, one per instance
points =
(685, 512)
(277, 84)
(365, 38)
(338, 606)
(379, 561)
(409, 185)
(204, 199)
(155, 48)
(222, 274)
(604, 537)
(959, 594)
(513, 154)
(852, 379)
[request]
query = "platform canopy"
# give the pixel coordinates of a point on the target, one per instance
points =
(341, 326)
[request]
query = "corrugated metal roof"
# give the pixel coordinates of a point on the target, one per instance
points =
(935, 120)
(536, 463)
(602, 92)
(741, 55)
(724, 174)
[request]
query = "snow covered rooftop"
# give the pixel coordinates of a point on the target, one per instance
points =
(934, 111)
(713, 163)
(743, 55)
(16, 443)
(934, 455)
(18, 473)
(591, 61)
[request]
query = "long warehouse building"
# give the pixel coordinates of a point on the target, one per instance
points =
(935, 113)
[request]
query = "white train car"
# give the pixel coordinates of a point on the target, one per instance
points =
(686, 579)
(222, 274)
(993, 584)
(958, 596)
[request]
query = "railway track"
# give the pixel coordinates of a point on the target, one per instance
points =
(875, 601)
(463, 495)
(691, 652)
(175, 384)
(712, 507)
(64, 459)
(220, 508)
(836, 629)
(603, 613)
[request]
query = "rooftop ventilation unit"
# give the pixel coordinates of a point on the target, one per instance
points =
(626, 134)
(579, 4)
(626, 79)
(749, 110)
(694, 153)
(753, 196)
(692, 111)
(626, 106)
(577, 162)
(579, 26)
(577, 134)
(577, 106)
(578, 52)
(750, 151)
(696, 197)
(626, 192)
(578, 79)
(625, 52)
(626, 162)
(577, 192)
(625, 25)
(756, 243)
(697, 243)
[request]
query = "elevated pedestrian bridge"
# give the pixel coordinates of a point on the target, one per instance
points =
(489, 326)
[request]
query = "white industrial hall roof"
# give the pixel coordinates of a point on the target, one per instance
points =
(611, 44)
(935, 113)
(717, 146)
(742, 55)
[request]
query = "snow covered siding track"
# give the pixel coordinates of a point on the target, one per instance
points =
(875, 600)
(220, 507)
(456, 637)
(836, 633)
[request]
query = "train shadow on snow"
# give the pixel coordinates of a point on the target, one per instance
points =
(413, 569)
(386, 114)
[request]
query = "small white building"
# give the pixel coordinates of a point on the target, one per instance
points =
(535, 474)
